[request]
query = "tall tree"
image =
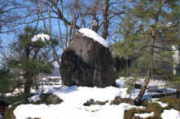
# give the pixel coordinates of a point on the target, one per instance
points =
(149, 30)
(30, 56)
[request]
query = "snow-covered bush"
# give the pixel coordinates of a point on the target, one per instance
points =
(40, 37)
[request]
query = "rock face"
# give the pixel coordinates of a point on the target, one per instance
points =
(87, 63)
(47, 98)
(50, 99)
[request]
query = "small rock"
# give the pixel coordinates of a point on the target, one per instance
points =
(89, 102)
(118, 100)
(50, 99)
(92, 102)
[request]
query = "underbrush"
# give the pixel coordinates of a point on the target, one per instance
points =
(153, 107)
(150, 107)
(172, 102)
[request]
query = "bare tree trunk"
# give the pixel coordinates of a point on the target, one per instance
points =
(62, 17)
(106, 20)
(139, 99)
(27, 86)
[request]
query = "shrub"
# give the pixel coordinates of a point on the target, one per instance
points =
(118, 100)
(150, 107)
(172, 102)
(9, 114)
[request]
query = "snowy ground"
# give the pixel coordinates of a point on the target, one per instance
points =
(170, 114)
(72, 106)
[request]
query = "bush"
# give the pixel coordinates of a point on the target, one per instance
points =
(118, 100)
(150, 107)
(6, 81)
(129, 114)
(9, 114)
(156, 108)
(172, 102)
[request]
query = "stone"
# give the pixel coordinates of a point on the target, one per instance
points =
(49, 99)
(87, 63)
(93, 102)
(118, 100)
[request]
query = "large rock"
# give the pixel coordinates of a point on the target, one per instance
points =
(47, 98)
(87, 62)
(50, 99)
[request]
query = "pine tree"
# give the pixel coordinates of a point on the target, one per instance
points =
(6, 80)
(30, 57)
(149, 30)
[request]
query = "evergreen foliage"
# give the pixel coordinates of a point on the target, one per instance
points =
(30, 58)
(6, 80)
(149, 29)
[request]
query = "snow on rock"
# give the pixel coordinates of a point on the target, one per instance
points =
(15, 92)
(93, 35)
(176, 54)
(145, 115)
(170, 114)
(162, 104)
(169, 24)
(120, 83)
(34, 98)
(42, 37)
(55, 64)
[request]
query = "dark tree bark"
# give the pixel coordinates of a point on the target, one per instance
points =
(28, 84)
(106, 20)
(61, 16)
(139, 98)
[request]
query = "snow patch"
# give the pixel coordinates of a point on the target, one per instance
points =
(153, 83)
(73, 99)
(145, 115)
(120, 83)
(65, 111)
(176, 54)
(93, 35)
(40, 37)
(72, 106)
(55, 64)
(169, 24)
(34, 98)
(162, 104)
(170, 114)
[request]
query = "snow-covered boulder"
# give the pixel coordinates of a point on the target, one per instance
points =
(87, 61)
(40, 37)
